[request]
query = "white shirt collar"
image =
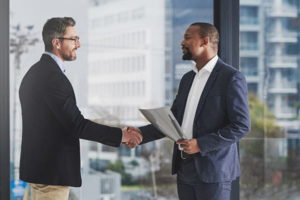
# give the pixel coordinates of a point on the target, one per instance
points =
(59, 62)
(208, 66)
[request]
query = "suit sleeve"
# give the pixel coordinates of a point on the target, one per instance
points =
(237, 108)
(59, 97)
(150, 133)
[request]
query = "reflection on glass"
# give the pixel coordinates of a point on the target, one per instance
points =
(135, 61)
(270, 161)
(130, 57)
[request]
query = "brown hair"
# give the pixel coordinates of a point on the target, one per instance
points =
(55, 28)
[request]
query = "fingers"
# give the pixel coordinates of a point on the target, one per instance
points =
(183, 145)
(131, 128)
(131, 137)
(189, 146)
(183, 142)
(131, 145)
(136, 133)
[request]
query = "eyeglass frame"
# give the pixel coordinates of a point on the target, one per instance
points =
(76, 40)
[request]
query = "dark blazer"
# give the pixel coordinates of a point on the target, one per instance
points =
(222, 118)
(52, 126)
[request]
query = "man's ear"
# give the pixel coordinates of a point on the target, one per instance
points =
(205, 41)
(56, 43)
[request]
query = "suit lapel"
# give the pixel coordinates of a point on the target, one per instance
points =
(208, 85)
(184, 96)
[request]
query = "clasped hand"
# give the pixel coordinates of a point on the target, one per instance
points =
(131, 137)
(189, 146)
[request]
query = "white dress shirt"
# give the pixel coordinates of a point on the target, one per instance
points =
(59, 62)
(196, 90)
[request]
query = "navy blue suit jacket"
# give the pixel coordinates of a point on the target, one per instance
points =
(221, 120)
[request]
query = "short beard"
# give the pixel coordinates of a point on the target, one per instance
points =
(69, 57)
(187, 56)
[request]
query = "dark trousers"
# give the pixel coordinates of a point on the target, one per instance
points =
(204, 191)
(190, 186)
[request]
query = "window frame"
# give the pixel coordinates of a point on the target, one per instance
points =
(4, 101)
(226, 19)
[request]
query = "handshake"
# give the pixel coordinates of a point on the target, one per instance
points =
(131, 137)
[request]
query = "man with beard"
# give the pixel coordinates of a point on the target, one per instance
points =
(212, 108)
(52, 122)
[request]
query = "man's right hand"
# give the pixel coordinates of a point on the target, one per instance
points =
(131, 137)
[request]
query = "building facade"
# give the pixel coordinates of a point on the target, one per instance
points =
(269, 56)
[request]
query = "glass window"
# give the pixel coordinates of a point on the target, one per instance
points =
(248, 15)
(249, 66)
(252, 88)
(249, 40)
(270, 165)
(130, 57)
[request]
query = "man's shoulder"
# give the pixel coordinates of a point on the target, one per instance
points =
(43, 71)
(226, 67)
(227, 70)
(49, 65)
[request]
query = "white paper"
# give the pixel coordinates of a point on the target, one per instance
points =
(164, 120)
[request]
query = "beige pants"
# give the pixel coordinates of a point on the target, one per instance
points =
(49, 192)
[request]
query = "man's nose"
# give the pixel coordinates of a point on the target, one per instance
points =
(78, 44)
(182, 43)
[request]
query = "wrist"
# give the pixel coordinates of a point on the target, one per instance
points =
(124, 139)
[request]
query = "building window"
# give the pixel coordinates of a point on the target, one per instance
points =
(270, 152)
(248, 41)
(249, 15)
(249, 66)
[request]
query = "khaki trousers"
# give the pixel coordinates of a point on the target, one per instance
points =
(49, 192)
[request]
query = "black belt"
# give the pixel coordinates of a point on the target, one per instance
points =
(185, 156)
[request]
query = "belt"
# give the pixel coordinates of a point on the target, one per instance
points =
(184, 156)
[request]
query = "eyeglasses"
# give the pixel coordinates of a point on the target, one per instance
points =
(76, 39)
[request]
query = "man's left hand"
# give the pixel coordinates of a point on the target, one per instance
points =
(189, 146)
